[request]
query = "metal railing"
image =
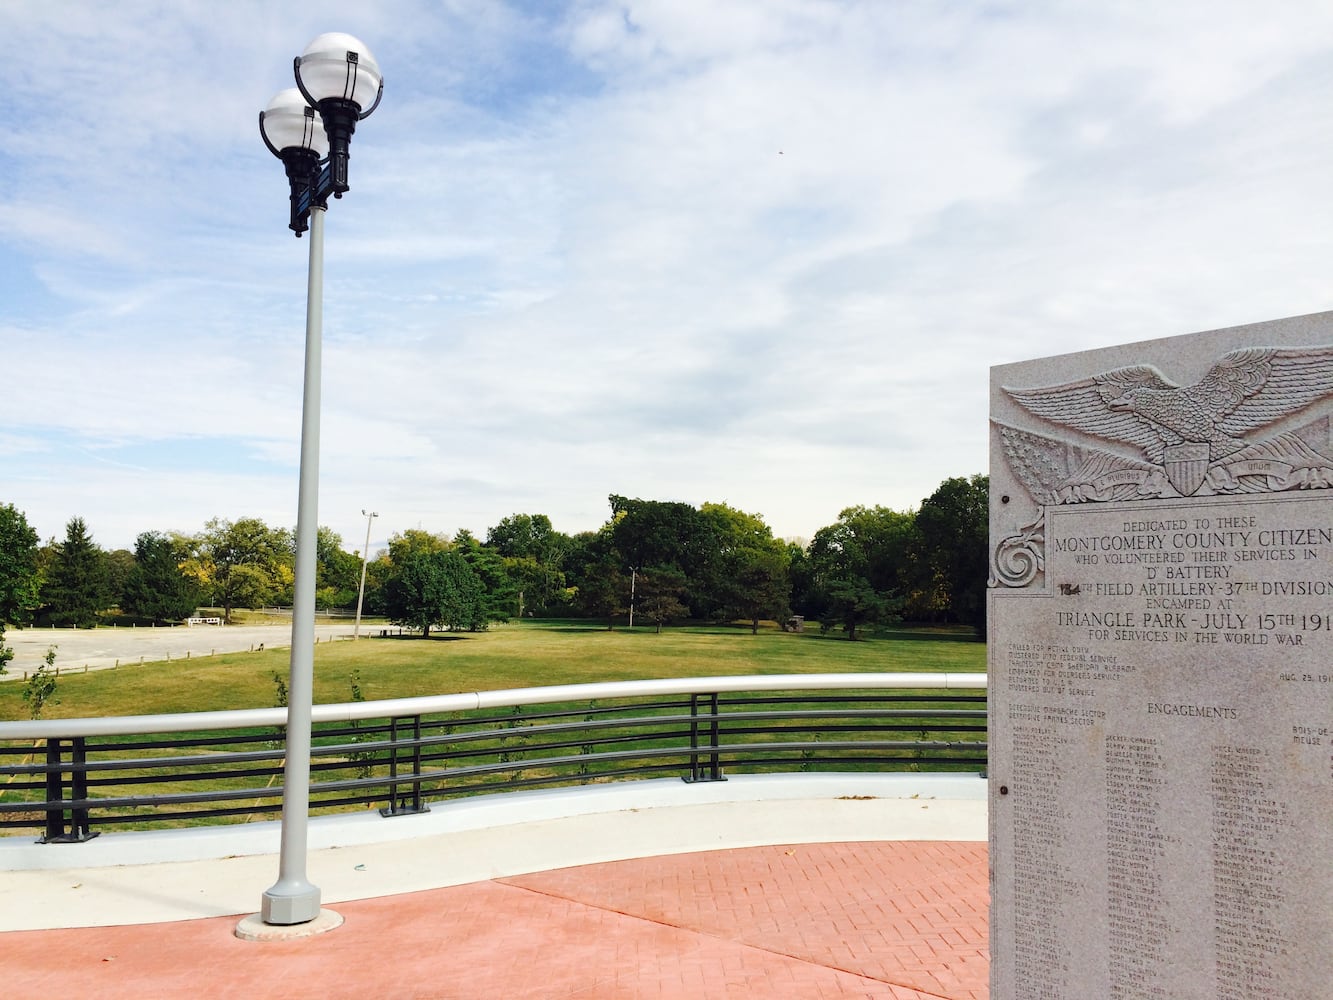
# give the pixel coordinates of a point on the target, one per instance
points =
(70, 778)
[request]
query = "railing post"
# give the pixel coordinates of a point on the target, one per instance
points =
(398, 804)
(55, 794)
(79, 816)
(714, 770)
(56, 831)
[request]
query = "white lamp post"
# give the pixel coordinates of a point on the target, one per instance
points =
(365, 555)
(338, 83)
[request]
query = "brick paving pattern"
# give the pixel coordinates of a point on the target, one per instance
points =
(882, 920)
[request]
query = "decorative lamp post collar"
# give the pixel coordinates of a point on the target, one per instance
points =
(338, 82)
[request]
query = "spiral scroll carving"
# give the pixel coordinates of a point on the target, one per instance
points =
(1018, 558)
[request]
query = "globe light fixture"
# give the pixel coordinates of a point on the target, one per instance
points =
(310, 128)
(338, 76)
(294, 132)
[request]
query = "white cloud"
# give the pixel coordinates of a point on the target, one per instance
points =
(760, 252)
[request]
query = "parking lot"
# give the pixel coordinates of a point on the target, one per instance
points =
(102, 648)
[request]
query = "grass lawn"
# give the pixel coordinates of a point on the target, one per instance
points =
(519, 654)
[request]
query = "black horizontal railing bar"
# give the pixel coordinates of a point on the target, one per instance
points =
(177, 815)
(773, 750)
(147, 763)
(542, 756)
(227, 738)
(174, 778)
(926, 701)
(917, 764)
(165, 797)
(668, 767)
(861, 714)
(226, 794)
(726, 726)
(517, 765)
(480, 735)
(205, 738)
(534, 746)
(741, 721)
(222, 758)
(275, 791)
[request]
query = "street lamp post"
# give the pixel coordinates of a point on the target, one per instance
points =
(365, 555)
(309, 128)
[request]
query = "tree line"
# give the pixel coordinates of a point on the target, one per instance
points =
(655, 561)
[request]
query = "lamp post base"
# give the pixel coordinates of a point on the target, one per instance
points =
(290, 904)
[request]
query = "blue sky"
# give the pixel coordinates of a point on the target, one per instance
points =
(754, 251)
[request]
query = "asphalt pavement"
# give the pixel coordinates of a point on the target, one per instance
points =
(103, 648)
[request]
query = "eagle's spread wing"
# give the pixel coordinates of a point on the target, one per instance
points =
(1083, 405)
(1253, 388)
(1056, 472)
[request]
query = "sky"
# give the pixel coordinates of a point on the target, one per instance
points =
(759, 252)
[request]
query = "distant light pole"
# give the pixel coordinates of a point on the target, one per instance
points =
(365, 555)
(338, 83)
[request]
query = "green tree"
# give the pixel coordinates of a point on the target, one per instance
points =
(758, 584)
(667, 533)
(156, 587)
(598, 576)
(750, 568)
(414, 541)
(77, 588)
(534, 554)
(244, 563)
(118, 563)
(853, 570)
(529, 535)
(434, 589)
(19, 579)
(535, 589)
(954, 525)
(379, 570)
(337, 571)
(659, 593)
(500, 596)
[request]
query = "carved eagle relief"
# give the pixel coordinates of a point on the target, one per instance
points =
(1183, 439)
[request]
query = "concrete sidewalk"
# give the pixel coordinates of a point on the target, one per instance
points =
(892, 920)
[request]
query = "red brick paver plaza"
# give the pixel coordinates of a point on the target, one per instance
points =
(897, 920)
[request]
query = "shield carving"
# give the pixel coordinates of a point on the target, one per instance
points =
(1185, 466)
